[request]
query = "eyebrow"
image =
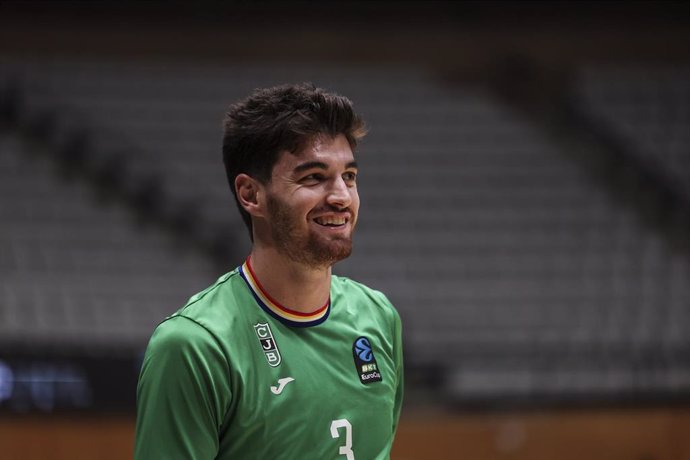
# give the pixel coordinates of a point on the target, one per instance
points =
(319, 165)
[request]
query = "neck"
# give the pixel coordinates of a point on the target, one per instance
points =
(294, 285)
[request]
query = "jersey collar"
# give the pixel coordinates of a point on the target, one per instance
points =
(272, 307)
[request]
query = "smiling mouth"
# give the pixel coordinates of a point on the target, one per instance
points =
(331, 221)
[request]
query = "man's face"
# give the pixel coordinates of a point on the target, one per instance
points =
(312, 203)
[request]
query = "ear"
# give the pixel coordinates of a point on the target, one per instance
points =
(249, 194)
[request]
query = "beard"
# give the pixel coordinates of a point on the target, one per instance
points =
(311, 249)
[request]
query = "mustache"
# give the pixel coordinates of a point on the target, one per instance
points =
(330, 208)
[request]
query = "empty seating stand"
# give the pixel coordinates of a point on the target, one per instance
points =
(76, 273)
(515, 273)
(648, 107)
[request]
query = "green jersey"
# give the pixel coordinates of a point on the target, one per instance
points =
(234, 375)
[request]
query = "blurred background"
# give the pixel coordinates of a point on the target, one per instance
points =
(525, 204)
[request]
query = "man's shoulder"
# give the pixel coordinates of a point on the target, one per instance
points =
(178, 332)
(211, 309)
(351, 289)
(348, 284)
(214, 293)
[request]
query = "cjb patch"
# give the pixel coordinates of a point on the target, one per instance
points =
(365, 361)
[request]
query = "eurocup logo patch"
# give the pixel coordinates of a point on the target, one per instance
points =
(365, 361)
(268, 344)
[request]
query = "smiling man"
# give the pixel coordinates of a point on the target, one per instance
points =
(280, 359)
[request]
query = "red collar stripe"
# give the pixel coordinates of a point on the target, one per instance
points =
(275, 309)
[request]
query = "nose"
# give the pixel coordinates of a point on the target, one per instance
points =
(339, 194)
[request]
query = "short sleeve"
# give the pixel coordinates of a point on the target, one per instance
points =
(183, 393)
(399, 369)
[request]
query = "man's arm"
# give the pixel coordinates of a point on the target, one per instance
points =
(182, 395)
(400, 375)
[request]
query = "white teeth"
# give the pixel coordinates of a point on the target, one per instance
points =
(331, 220)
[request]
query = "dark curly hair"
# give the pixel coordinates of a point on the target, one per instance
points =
(282, 118)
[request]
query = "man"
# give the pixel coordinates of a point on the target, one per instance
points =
(280, 359)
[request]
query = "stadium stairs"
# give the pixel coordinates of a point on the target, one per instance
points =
(108, 172)
(572, 106)
(91, 261)
(563, 105)
(520, 279)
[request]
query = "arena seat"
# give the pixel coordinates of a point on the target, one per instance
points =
(75, 272)
(648, 108)
(510, 265)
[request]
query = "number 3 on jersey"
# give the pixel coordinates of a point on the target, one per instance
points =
(345, 450)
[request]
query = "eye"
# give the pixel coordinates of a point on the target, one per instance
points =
(350, 176)
(312, 178)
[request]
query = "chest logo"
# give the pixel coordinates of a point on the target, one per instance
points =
(365, 361)
(268, 344)
(281, 384)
